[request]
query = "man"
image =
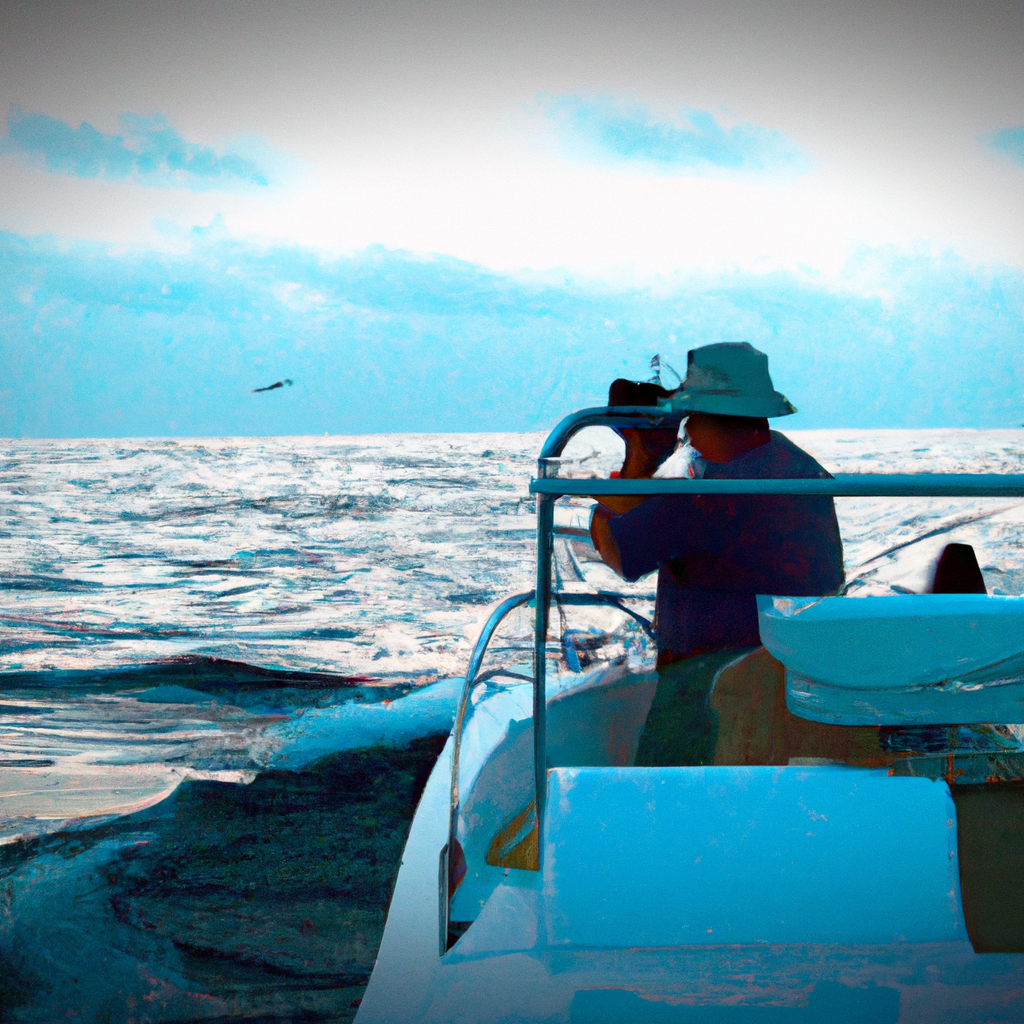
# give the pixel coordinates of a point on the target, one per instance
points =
(715, 553)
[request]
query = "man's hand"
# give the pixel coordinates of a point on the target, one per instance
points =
(646, 449)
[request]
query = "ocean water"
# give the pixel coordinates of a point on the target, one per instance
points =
(164, 601)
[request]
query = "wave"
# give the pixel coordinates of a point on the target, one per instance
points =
(200, 672)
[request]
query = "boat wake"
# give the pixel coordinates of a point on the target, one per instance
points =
(81, 745)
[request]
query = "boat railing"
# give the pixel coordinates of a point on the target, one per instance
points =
(548, 488)
(473, 677)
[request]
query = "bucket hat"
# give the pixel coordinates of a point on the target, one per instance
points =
(730, 379)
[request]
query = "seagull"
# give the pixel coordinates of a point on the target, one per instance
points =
(274, 386)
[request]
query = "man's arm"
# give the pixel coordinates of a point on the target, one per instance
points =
(601, 535)
(664, 527)
(619, 503)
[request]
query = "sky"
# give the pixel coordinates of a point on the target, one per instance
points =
(472, 216)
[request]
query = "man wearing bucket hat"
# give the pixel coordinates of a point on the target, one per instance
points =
(715, 553)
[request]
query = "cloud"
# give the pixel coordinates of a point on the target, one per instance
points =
(605, 127)
(1009, 141)
(99, 341)
(148, 151)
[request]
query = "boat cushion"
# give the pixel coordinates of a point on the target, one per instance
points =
(641, 857)
(926, 659)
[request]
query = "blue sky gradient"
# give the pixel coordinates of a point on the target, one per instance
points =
(1009, 141)
(98, 341)
(434, 216)
(149, 151)
(696, 142)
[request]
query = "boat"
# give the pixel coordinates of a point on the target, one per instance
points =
(855, 853)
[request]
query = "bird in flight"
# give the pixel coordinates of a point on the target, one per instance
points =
(274, 386)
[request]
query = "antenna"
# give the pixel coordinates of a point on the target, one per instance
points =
(657, 365)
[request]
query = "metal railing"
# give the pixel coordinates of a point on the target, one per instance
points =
(475, 661)
(850, 485)
(445, 880)
(548, 489)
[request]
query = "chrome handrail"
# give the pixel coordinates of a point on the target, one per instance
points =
(475, 661)
(845, 485)
(607, 416)
(600, 416)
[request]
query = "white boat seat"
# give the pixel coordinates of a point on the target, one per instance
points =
(661, 857)
(922, 659)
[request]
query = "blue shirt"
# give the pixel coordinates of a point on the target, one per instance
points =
(715, 552)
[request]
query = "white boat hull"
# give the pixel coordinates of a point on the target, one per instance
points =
(615, 925)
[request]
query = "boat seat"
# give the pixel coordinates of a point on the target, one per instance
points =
(918, 659)
(662, 857)
(756, 727)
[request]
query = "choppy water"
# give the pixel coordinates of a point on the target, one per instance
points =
(173, 569)
(353, 556)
